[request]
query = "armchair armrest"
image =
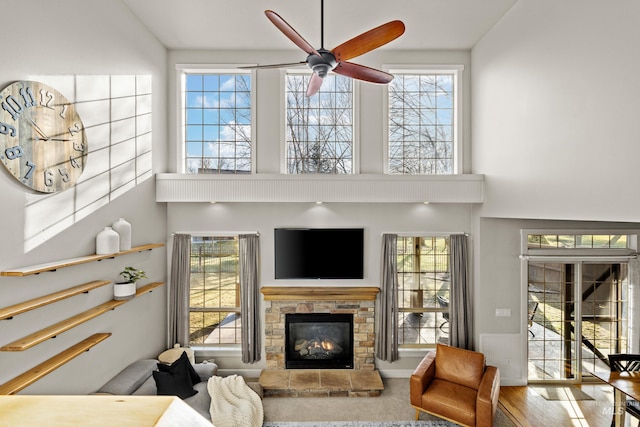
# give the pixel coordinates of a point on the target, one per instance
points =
(488, 395)
(421, 378)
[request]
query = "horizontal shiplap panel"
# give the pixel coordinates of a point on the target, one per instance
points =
(306, 188)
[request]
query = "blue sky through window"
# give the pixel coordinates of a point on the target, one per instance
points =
(218, 123)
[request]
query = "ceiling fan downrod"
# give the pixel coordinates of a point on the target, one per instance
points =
(321, 24)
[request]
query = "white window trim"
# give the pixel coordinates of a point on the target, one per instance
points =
(581, 253)
(283, 122)
(567, 256)
(412, 350)
(210, 350)
(454, 69)
(181, 70)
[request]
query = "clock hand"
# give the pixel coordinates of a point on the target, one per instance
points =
(37, 128)
(55, 139)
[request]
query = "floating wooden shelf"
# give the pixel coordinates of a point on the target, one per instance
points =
(53, 266)
(13, 310)
(21, 381)
(147, 288)
(60, 327)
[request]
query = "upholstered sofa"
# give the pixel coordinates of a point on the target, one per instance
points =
(137, 379)
(457, 385)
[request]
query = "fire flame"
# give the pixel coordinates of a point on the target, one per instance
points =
(326, 345)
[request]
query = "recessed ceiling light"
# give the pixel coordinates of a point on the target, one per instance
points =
(318, 203)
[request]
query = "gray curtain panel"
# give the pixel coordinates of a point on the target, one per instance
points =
(179, 291)
(460, 307)
(250, 297)
(387, 337)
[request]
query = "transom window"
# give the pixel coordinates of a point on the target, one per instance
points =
(214, 296)
(423, 291)
(217, 122)
(319, 129)
(577, 241)
(422, 122)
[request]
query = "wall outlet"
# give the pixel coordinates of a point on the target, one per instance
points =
(503, 312)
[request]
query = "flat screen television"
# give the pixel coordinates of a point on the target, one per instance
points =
(319, 253)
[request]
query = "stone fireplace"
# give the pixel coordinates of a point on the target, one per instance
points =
(318, 341)
(356, 301)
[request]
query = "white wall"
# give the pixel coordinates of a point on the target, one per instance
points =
(555, 104)
(72, 38)
(555, 97)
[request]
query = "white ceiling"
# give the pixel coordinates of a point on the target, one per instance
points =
(241, 24)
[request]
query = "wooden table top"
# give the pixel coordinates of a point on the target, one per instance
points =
(626, 382)
(98, 411)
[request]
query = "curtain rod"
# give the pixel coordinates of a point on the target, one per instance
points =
(215, 233)
(426, 234)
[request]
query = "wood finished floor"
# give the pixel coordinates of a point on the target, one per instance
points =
(527, 408)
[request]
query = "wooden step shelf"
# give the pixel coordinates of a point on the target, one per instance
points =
(53, 266)
(24, 380)
(60, 327)
(14, 310)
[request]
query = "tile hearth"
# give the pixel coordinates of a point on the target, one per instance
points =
(321, 383)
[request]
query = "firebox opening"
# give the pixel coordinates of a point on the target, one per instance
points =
(319, 340)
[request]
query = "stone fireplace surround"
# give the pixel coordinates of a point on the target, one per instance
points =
(359, 301)
(362, 381)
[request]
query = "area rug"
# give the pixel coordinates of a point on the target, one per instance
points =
(391, 409)
(562, 393)
(360, 424)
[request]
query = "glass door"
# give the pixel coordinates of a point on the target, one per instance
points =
(577, 316)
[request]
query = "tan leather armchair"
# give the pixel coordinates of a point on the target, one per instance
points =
(457, 385)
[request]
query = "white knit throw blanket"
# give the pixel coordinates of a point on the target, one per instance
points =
(234, 403)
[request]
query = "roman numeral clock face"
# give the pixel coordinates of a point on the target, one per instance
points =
(42, 138)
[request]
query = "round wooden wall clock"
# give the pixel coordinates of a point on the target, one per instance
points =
(42, 138)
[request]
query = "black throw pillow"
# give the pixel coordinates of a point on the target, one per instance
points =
(181, 362)
(174, 379)
(173, 385)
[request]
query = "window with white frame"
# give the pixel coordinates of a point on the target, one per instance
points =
(422, 137)
(217, 118)
(214, 294)
(319, 129)
(423, 291)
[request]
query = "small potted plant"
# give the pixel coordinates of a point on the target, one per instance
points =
(126, 288)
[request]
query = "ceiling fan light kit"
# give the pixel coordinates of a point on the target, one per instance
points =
(322, 61)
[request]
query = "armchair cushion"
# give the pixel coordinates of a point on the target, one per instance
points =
(459, 366)
(451, 401)
(456, 384)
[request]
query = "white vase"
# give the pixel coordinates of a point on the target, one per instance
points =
(123, 228)
(124, 291)
(107, 242)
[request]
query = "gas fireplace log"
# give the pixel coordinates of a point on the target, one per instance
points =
(300, 344)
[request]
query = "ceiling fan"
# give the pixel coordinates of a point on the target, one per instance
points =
(321, 61)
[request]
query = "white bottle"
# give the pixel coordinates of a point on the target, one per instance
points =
(107, 242)
(123, 228)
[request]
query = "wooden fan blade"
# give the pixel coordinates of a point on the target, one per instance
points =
(314, 84)
(361, 72)
(368, 41)
(288, 31)
(286, 65)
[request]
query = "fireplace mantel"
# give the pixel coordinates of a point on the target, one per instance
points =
(319, 293)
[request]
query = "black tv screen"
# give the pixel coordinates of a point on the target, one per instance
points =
(319, 253)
